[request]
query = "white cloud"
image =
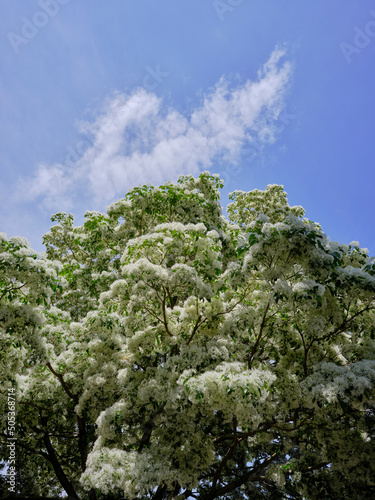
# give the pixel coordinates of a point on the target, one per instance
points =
(137, 140)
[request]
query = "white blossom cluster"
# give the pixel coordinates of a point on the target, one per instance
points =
(187, 350)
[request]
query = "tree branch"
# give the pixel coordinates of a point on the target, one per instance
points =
(249, 476)
(227, 456)
(196, 326)
(159, 492)
(149, 426)
(11, 289)
(251, 355)
(63, 383)
(52, 457)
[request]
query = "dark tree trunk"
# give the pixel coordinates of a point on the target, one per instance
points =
(52, 457)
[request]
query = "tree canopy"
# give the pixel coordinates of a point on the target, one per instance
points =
(164, 351)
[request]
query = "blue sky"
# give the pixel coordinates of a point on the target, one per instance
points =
(96, 97)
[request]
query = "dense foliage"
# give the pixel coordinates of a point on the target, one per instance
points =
(162, 351)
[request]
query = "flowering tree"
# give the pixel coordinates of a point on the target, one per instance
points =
(162, 351)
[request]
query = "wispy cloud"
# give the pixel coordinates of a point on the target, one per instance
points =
(137, 139)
